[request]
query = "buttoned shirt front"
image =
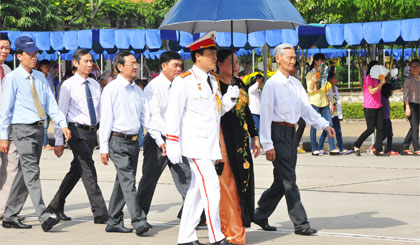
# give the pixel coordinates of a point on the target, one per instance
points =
(284, 100)
(73, 102)
(17, 102)
(122, 110)
(193, 116)
(157, 95)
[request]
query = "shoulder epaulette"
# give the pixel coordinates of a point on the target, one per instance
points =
(187, 73)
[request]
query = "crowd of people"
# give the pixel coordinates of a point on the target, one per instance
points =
(205, 124)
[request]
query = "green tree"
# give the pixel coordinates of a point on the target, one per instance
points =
(24, 15)
(155, 12)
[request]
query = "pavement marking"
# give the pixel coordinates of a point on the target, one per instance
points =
(282, 231)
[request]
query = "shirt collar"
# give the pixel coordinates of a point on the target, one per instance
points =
(199, 73)
(24, 72)
(164, 79)
(282, 77)
(124, 82)
(79, 78)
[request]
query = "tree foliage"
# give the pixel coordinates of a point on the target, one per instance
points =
(348, 11)
(24, 15)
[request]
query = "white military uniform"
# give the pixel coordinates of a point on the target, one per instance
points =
(192, 124)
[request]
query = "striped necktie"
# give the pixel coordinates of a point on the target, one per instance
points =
(38, 105)
(1, 74)
(91, 107)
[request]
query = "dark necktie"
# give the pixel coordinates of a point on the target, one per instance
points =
(209, 82)
(90, 105)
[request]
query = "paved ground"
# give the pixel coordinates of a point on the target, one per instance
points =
(349, 199)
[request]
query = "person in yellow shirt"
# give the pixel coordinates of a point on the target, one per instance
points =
(320, 101)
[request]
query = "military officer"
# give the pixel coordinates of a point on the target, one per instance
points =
(192, 122)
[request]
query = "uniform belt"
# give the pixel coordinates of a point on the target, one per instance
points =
(132, 137)
(87, 127)
(284, 124)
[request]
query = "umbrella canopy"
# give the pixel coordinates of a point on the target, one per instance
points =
(245, 16)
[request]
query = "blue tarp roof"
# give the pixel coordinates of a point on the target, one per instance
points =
(108, 41)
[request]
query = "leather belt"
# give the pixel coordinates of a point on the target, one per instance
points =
(132, 137)
(38, 124)
(86, 127)
(284, 124)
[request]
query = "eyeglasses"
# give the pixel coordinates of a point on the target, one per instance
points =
(32, 55)
(132, 64)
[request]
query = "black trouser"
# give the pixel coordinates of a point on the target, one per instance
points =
(299, 132)
(153, 165)
(284, 179)
(413, 133)
(82, 144)
(374, 119)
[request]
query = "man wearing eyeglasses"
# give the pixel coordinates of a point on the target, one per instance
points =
(26, 101)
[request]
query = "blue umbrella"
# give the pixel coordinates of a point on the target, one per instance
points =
(245, 16)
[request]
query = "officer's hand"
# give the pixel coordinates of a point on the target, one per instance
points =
(270, 155)
(232, 91)
(330, 131)
(58, 150)
(105, 158)
(175, 159)
(67, 134)
(163, 148)
(4, 146)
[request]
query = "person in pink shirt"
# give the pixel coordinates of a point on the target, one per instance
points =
(372, 107)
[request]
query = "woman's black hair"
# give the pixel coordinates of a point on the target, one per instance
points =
(331, 74)
(317, 56)
(255, 78)
(222, 55)
(371, 64)
(386, 90)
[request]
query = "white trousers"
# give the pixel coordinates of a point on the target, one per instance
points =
(204, 192)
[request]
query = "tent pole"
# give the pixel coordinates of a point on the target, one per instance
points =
(102, 63)
(253, 62)
(59, 67)
(14, 61)
(348, 68)
(141, 66)
(265, 61)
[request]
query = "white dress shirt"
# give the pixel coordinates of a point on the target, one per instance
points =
(285, 100)
(157, 95)
(254, 93)
(73, 102)
(122, 110)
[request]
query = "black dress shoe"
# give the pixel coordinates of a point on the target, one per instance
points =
(62, 216)
(15, 224)
(356, 152)
(141, 230)
(223, 241)
(120, 229)
(264, 225)
(196, 242)
(100, 219)
(49, 223)
(305, 232)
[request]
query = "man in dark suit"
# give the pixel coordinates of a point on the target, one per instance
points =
(80, 102)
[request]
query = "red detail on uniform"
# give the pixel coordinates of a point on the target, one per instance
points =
(172, 137)
(205, 192)
(206, 43)
(187, 73)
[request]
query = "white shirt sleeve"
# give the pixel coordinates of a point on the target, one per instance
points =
(176, 105)
(63, 105)
(266, 116)
(107, 120)
(153, 110)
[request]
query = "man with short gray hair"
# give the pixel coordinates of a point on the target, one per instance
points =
(283, 102)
